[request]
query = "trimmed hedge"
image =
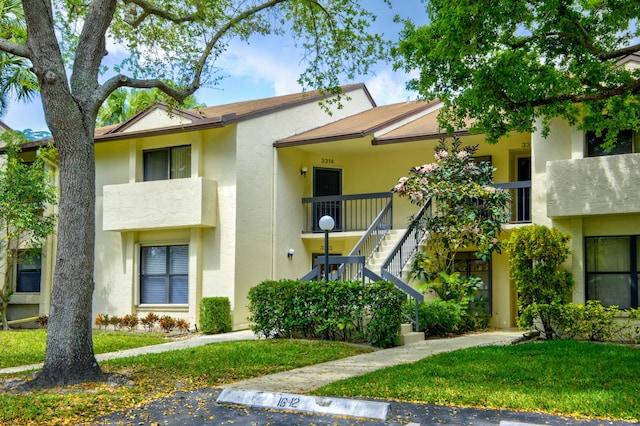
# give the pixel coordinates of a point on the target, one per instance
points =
(215, 315)
(337, 310)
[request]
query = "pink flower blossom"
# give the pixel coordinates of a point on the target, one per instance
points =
(490, 189)
(494, 241)
(427, 168)
(401, 186)
(462, 155)
(441, 155)
(415, 195)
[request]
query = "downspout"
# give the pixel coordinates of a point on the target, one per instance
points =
(274, 222)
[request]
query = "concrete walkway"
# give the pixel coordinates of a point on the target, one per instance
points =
(305, 379)
(314, 376)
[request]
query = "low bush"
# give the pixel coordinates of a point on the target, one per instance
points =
(338, 310)
(590, 321)
(215, 315)
(131, 322)
(439, 317)
(149, 322)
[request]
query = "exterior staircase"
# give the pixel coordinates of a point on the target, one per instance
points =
(375, 261)
(385, 248)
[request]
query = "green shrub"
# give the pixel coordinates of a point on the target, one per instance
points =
(439, 317)
(590, 321)
(215, 315)
(536, 254)
(337, 310)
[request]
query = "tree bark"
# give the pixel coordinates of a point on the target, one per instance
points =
(69, 355)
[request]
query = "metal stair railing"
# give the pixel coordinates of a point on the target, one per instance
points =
(391, 269)
(370, 241)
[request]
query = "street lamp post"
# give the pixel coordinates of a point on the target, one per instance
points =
(326, 223)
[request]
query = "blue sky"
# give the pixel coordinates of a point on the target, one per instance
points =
(269, 66)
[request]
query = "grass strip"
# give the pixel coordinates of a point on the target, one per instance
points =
(25, 347)
(559, 377)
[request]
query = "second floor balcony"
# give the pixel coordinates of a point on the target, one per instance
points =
(350, 212)
(593, 186)
(160, 204)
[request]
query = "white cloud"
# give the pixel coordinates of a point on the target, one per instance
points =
(388, 87)
(271, 62)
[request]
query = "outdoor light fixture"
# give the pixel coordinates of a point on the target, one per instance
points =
(326, 223)
(303, 171)
(290, 253)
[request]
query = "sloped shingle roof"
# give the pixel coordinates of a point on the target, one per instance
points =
(358, 125)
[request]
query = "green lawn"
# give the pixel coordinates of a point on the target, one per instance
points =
(24, 347)
(561, 377)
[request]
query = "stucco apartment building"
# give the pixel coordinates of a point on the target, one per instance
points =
(211, 202)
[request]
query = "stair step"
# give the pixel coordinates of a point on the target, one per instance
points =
(412, 337)
(406, 328)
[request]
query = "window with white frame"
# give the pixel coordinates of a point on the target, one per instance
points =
(612, 270)
(167, 163)
(164, 274)
(28, 271)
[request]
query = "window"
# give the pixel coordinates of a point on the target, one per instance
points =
(612, 270)
(468, 265)
(627, 143)
(28, 272)
(164, 274)
(167, 163)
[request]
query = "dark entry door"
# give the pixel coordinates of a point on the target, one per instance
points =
(523, 195)
(327, 182)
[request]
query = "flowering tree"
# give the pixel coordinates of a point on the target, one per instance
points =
(467, 211)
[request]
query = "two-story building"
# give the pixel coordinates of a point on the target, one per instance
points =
(211, 202)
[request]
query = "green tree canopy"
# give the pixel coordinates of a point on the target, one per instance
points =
(124, 103)
(507, 63)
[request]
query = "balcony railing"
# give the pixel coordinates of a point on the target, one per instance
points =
(350, 212)
(520, 200)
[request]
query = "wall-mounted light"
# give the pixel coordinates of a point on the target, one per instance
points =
(303, 171)
(290, 253)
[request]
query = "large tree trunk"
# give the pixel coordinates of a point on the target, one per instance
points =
(69, 355)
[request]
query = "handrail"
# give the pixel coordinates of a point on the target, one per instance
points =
(391, 269)
(370, 241)
(407, 244)
(350, 212)
(377, 230)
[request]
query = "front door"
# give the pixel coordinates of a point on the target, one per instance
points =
(523, 195)
(327, 182)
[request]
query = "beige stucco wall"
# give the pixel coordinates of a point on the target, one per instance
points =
(119, 168)
(267, 192)
(593, 186)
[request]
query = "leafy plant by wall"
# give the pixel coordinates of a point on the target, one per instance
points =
(215, 315)
(536, 254)
(338, 310)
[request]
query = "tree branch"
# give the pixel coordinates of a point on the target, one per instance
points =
(222, 31)
(179, 94)
(17, 49)
(150, 9)
(90, 51)
(602, 94)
